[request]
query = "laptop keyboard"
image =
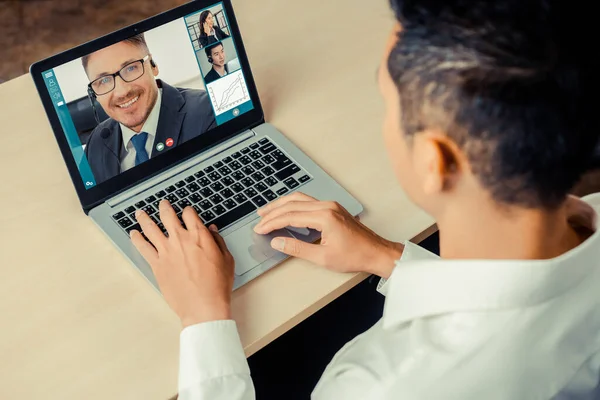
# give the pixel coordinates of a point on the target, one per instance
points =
(226, 191)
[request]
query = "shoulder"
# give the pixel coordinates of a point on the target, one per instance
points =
(194, 97)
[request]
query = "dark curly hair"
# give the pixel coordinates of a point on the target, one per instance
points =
(507, 81)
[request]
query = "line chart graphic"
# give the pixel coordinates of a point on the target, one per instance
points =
(228, 92)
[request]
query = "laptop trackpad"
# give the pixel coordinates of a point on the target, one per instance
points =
(250, 249)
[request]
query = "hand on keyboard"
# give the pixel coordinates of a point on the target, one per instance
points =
(192, 266)
(346, 244)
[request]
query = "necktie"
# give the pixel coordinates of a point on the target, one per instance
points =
(139, 144)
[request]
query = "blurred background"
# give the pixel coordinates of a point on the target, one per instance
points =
(34, 29)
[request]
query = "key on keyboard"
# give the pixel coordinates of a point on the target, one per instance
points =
(269, 195)
(267, 148)
(240, 198)
(219, 210)
(227, 181)
(252, 171)
(286, 173)
(234, 215)
(259, 201)
(226, 193)
(206, 192)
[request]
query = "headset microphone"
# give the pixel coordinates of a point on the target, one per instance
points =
(105, 133)
(92, 97)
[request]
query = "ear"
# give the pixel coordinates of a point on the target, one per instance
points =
(440, 162)
(154, 66)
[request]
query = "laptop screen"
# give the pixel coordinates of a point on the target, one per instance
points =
(139, 98)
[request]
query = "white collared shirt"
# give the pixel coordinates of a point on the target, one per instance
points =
(224, 72)
(150, 126)
(451, 329)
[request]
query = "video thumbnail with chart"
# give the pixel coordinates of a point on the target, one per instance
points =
(120, 106)
(228, 92)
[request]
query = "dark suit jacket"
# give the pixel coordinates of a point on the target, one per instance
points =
(206, 40)
(184, 114)
(213, 75)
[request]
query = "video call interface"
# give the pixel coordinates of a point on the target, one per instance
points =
(137, 99)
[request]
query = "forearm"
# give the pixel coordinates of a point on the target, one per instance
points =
(385, 260)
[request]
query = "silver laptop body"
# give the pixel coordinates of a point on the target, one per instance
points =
(225, 181)
(252, 253)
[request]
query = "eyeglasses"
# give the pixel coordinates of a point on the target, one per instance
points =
(129, 73)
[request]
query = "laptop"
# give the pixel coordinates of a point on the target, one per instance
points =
(138, 120)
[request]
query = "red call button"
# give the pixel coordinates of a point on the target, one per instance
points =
(169, 142)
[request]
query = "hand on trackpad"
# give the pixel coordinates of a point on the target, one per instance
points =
(251, 249)
(300, 231)
(261, 249)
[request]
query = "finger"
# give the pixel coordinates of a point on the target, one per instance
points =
(296, 196)
(297, 219)
(190, 219)
(218, 239)
(146, 249)
(196, 227)
(169, 218)
(152, 232)
(297, 248)
(293, 206)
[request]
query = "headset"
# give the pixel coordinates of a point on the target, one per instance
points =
(92, 96)
(208, 50)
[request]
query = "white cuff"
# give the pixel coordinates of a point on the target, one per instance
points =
(411, 252)
(210, 350)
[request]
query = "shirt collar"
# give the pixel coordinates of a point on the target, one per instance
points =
(225, 73)
(423, 288)
(150, 126)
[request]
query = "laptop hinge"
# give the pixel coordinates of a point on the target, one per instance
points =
(156, 180)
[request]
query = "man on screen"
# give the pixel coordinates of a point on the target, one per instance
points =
(147, 116)
(217, 57)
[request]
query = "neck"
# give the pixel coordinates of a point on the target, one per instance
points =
(220, 70)
(494, 232)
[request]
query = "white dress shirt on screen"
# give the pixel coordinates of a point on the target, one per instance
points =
(150, 127)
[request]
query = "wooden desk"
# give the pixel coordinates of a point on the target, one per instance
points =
(78, 322)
